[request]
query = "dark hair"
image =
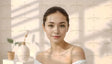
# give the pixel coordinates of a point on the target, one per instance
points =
(53, 10)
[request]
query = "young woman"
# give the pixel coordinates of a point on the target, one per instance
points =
(56, 25)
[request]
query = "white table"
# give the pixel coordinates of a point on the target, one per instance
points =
(6, 61)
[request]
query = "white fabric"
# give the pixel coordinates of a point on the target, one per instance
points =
(37, 62)
(80, 62)
(77, 62)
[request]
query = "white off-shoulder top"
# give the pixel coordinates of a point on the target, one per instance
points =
(80, 62)
(77, 62)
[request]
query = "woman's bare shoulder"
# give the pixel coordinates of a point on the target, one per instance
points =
(39, 56)
(43, 53)
(76, 48)
(77, 53)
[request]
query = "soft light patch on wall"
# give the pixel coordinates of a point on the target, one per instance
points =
(97, 18)
(25, 17)
(73, 32)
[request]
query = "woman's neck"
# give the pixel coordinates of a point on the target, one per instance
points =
(59, 47)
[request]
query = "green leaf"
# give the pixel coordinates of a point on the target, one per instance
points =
(16, 43)
(10, 40)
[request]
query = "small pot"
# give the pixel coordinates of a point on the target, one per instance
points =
(11, 55)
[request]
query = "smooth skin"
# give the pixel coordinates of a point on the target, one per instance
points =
(61, 52)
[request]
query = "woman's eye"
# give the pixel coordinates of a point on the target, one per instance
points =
(50, 25)
(62, 25)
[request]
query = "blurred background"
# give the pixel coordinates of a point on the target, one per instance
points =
(90, 26)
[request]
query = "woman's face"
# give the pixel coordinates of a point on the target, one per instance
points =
(56, 27)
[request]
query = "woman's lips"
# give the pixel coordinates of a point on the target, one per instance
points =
(56, 37)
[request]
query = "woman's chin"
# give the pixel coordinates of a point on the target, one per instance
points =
(55, 41)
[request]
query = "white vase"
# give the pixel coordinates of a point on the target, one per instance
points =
(15, 49)
(23, 53)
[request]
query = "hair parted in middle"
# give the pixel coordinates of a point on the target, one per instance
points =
(53, 10)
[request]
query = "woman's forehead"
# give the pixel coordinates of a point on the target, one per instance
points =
(56, 17)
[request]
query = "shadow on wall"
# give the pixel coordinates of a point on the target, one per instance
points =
(106, 48)
(82, 38)
(81, 7)
(106, 45)
(25, 11)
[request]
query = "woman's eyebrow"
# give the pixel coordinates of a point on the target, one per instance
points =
(62, 22)
(59, 23)
(51, 22)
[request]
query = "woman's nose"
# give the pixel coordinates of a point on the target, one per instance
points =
(56, 30)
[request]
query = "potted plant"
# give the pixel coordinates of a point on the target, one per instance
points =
(11, 54)
(22, 52)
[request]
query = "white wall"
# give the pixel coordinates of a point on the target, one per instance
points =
(5, 28)
(90, 25)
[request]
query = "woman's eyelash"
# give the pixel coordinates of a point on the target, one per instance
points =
(53, 25)
(62, 25)
(50, 25)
